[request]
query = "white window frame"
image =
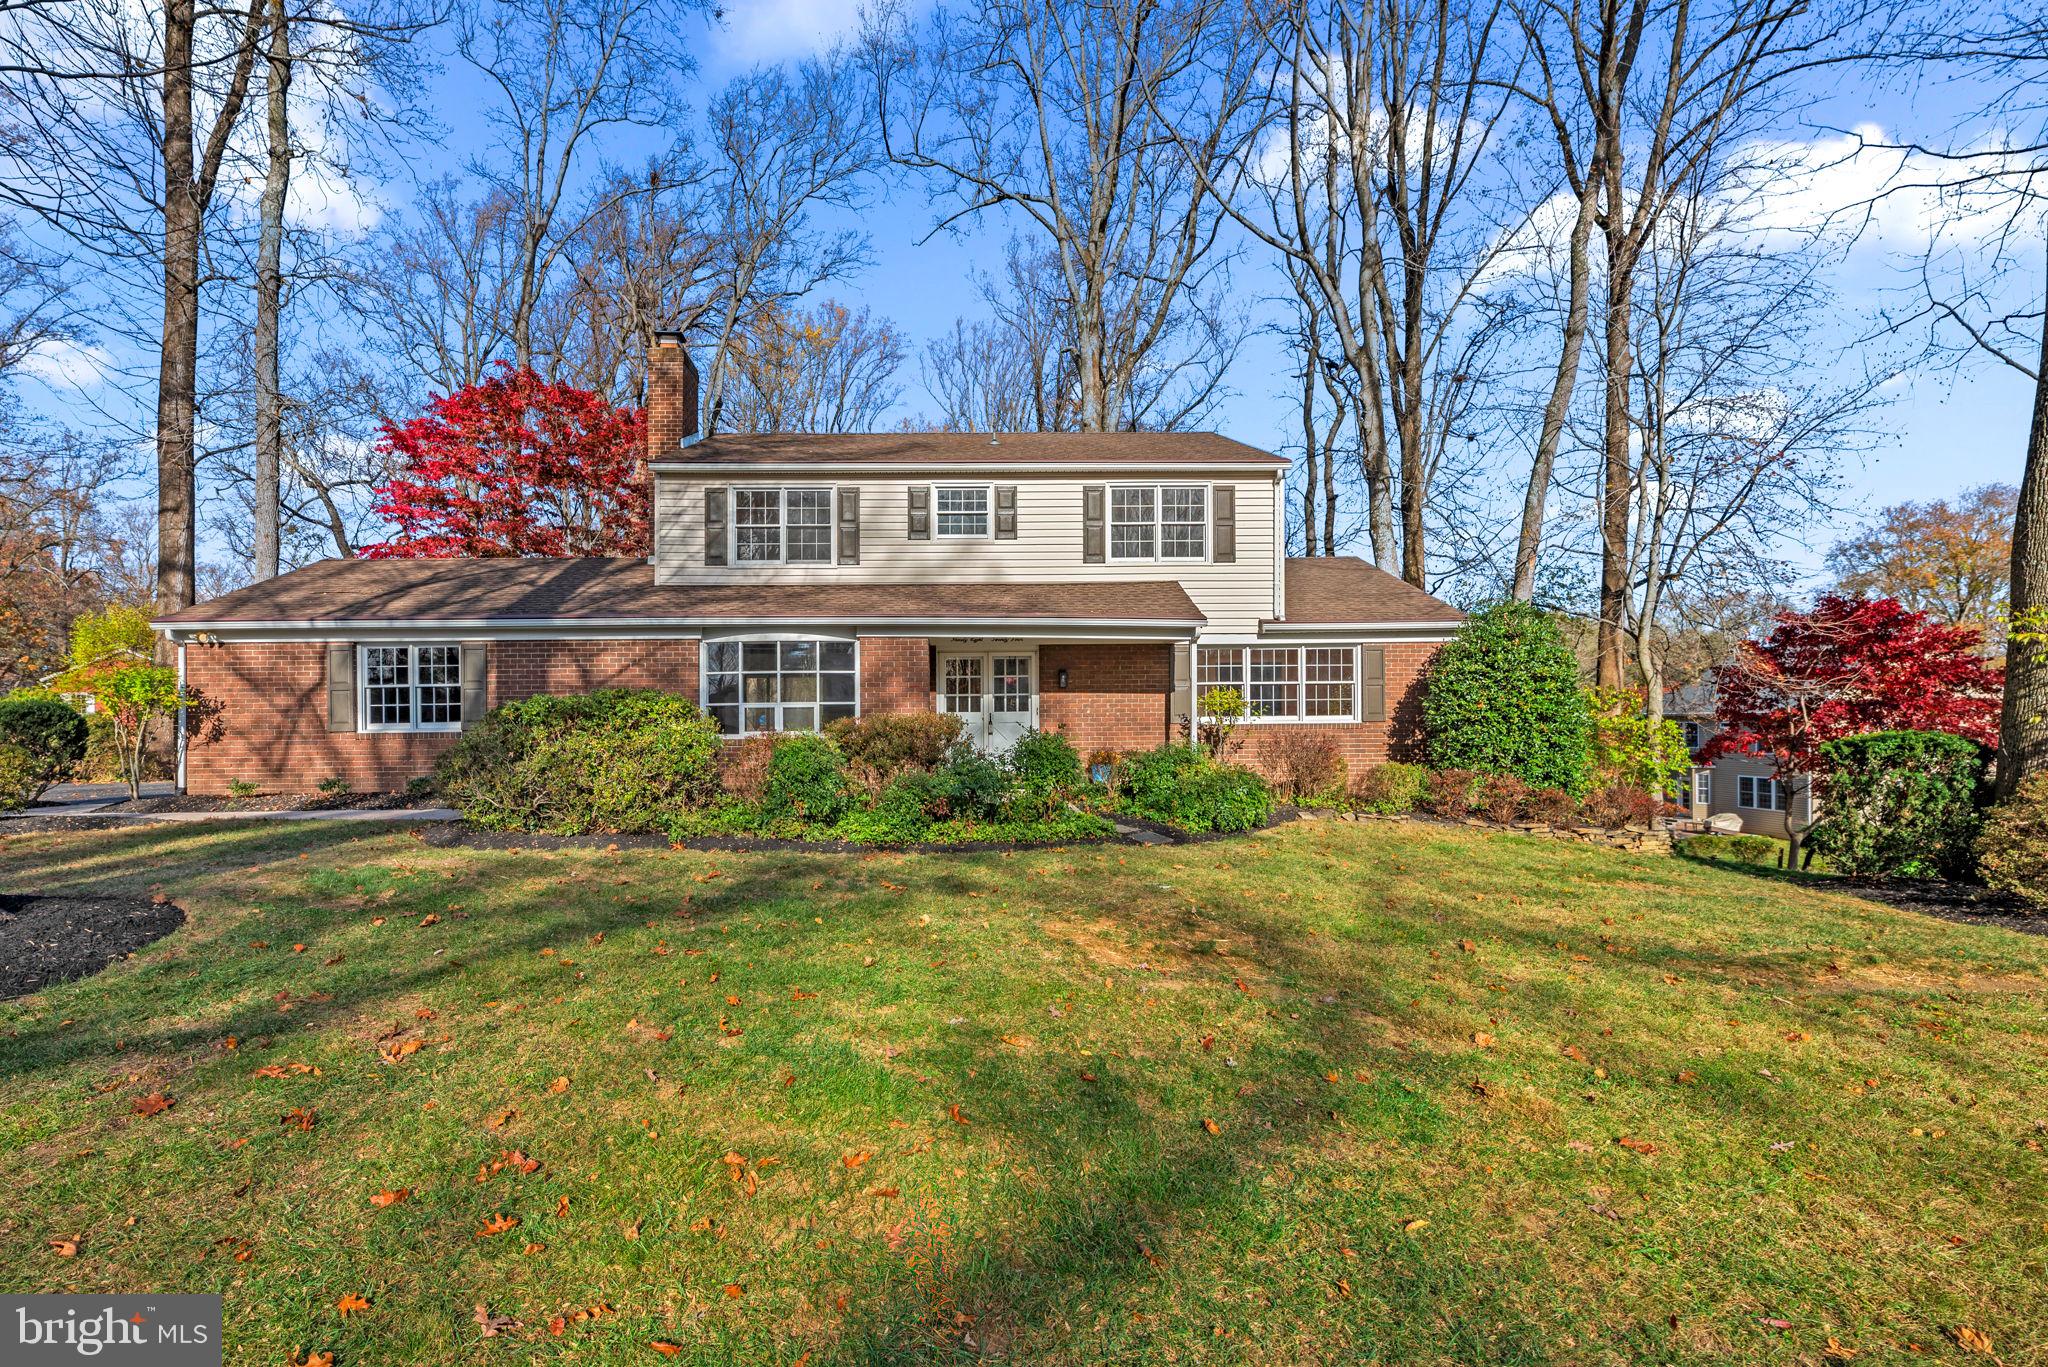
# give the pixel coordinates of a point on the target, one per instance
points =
(988, 512)
(778, 639)
(782, 493)
(1159, 524)
(1703, 787)
(1301, 681)
(1776, 798)
(412, 651)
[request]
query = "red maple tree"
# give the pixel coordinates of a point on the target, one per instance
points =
(1849, 667)
(515, 465)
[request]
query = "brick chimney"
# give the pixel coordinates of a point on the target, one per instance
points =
(671, 396)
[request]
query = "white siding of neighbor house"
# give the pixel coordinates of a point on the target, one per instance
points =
(1047, 548)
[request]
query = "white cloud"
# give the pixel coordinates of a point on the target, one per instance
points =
(63, 364)
(769, 30)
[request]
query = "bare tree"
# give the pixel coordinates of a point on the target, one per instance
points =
(825, 369)
(1093, 124)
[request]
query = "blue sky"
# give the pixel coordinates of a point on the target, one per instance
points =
(1944, 430)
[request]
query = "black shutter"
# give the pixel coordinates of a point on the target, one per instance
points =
(1006, 512)
(341, 688)
(920, 512)
(714, 526)
(1372, 683)
(475, 681)
(1094, 523)
(849, 526)
(1223, 524)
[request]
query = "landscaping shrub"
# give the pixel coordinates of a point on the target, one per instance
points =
(807, 780)
(2012, 848)
(1177, 784)
(903, 811)
(1391, 789)
(1450, 792)
(615, 760)
(1619, 804)
(1501, 797)
(1147, 777)
(1305, 762)
(1046, 764)
(1503, 697)
(50, 735)
(1554, 806)
(1627, 749)
(889, 743)
(971, 786)
(1900, 803)
(1734, 849)
(743, 768)
(20, 777)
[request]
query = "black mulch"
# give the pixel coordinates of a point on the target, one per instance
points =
(462, 835)
(1957, 902)
(45, 940)
(268, 802)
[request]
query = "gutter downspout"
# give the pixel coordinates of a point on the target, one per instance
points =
(181, 718)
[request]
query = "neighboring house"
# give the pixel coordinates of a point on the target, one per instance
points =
(1090, 583)
(1747, 786)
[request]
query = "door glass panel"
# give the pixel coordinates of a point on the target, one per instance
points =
(962, 684)
(1011, 680)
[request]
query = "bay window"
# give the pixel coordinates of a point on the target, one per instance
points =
(411, 687)
(756, 688)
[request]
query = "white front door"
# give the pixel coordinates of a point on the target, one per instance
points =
(995, 696)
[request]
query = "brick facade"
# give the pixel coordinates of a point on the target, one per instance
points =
(895, 674)
(1118, 696)
(272, 697)
(1362, 744)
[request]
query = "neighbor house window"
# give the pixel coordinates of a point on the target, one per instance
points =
(962, 511)
(1159, 522)
(1760, 794)
(411, 688)
(754, 688)
(782, 526)
(1693, 738)
(1703, 787)
(1278, 683)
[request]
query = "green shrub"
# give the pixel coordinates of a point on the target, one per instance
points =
(1900, 803)
(1391, 789)
(903, 811)
(971, 786)
(1734, 849)
(1451, 792)
(889, 743)
(615, 760)
(1045, 764)
(2012, 848)
(807, 780)
(1178, 785)
(1503, 697)
(49, 733)
(1149, 777)
(242, 787)
(1627, 749)
(20, 777)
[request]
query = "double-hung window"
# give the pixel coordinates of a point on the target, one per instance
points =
(1703, 787)
(1760, 794)
(962, 511)
(782, 526)
(756, 688)
(411, 687)
(1284, 683)
(1159, 522)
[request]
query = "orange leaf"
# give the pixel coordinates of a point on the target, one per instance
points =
(1211, 1126)
(734, 1290)
(497, 1224)
(156, 1103)
(352, 1302)
(954, 1111)
(64, 1248)
(1642, 1146)
(665, 1348)
(854, 1160)
(390, 1198)
(559, 1085)
(503, 1118)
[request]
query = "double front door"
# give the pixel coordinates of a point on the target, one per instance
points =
(995, 695)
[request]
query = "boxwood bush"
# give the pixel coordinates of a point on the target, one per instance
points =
(615, 760)
(807, 780)
(2012, 850)
(1900, 803)
(46, 744)
(1503, 697)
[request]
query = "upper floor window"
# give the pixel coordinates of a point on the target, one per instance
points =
(963, 511)
(1695, 735)
(411, 687)
(759, 687)
(1159, 522)
(782, 526)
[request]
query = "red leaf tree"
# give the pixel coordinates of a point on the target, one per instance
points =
(1849, 667)
(515, 465)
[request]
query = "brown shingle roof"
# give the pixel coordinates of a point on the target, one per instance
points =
(340, 592)
(977, 448)
(1343, 590)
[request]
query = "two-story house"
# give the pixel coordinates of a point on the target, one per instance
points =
(1745, 786)
(1092, 583)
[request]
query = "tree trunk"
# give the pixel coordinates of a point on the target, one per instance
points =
(1414, 481)
(2023, 724)
(1615, 475)
(269, 297)
(177, 387)
(1536, 499)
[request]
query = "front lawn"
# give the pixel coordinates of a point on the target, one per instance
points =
(1339, 1092)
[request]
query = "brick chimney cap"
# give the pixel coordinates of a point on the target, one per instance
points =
(668, 337)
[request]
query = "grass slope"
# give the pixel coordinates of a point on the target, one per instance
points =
(1337, 1093)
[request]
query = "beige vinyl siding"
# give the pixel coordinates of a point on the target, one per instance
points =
(1047, 548)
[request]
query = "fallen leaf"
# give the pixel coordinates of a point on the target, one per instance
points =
(1642, 1146)
(665, 1348)
(630, 1228)
(397, 1050)
(390, 1198)
(1211, 1126)
(497, 1224)
(734, 1290)
(493, 1325)
(299, 1118)
(298, 1357)
(432, 918)
(559, 1085)
(954, 1111)
(1969, 1338)
(1836, 1351)
(1482, 1039)
(156, 1103)
(352, 1302)
(503, 1118)
(854, 1160)
(1468, 947)
(1414, 1226)
(64, 1248)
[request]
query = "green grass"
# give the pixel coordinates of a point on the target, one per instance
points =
(1387, 1025)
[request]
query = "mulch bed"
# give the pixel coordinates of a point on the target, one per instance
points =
(269, 802)
(462, 835)
(1950, 901)
(46, 940)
